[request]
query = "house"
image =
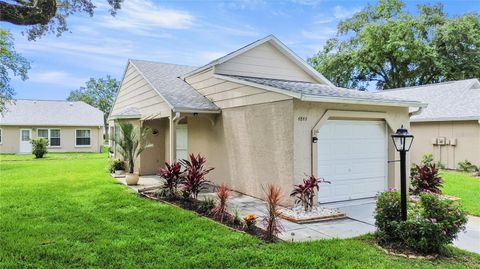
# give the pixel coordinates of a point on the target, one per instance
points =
(262, 115)
(449, 127)
(68, 126)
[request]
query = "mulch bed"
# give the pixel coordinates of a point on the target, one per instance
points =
(194, 206)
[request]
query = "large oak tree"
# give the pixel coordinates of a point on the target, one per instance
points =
(385, 45)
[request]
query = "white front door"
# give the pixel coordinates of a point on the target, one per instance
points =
(182, 142)
(25, 136)
(353, 156)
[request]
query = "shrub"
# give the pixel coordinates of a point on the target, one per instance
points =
(426, 180)
(250, 220)
(237, 220)
(467, 166)
(207, 204)
(222, 195)
(431, 224)
(304, 193)
(194, 180)
(39, 147)
(271, 219)
(427, 158)
(173, 176)
(115, 165)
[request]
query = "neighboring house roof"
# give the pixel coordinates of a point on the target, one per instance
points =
(275, 42)
(51, 113)
(318, 92)
(447, 101)
(179, 95)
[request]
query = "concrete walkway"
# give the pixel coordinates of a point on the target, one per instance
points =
(360, 218)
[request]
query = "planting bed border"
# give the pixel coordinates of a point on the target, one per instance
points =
(410, 255)
(183, 204)
(339, 215)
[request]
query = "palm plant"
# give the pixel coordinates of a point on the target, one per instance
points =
(273, 227)
(131, 142)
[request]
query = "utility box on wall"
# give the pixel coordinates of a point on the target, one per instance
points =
(441, 141)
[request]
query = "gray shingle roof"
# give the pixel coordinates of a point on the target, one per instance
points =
(51, 113)
(164, 78)
(454, 100)
(308, 89)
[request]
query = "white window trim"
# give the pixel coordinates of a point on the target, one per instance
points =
(1, 136)
(48, 136)
(83, 146)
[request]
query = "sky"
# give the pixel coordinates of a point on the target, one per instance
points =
(190, 32)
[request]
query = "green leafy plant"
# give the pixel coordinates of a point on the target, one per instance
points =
(427, 158)
(207, 204)
(432, 223)
(237, 219)
(466, 166)
(271, 220)
(131, 142)
(426, 180)
(173, 176)
(304, 193)
(39, 146)
(223, 193)
(194, 180)
(116, 165)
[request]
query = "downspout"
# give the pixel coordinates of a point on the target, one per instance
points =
(418, 111)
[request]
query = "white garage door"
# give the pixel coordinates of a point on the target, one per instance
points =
(353, 156)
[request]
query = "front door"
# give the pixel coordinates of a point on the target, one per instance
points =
(182, 142)
(25, 136)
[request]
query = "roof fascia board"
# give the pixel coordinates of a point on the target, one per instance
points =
(151, 85)
(256, 85)
(473, 118)
(52, 125)
(191, 110)
(121, 83)
(360, 101)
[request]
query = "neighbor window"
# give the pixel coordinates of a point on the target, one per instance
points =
(82, 137)
(52, 135)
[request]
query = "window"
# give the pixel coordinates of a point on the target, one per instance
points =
(52, 135)
(82, 137)
(55, 137)
(1, 138)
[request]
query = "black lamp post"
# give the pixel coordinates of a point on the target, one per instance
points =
(403, 141)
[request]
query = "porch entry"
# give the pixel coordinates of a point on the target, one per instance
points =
(25, 136)
(181, 142)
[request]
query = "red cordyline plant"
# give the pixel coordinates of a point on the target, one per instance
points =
(304, 193)
(223, 193)
(426, 180)
(194, 179)
(173, 175)
(271, 221)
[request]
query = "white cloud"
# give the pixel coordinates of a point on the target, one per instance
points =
(341, 12)
(60, 78)
(212, 55)
(146, 18)
(244, 4)
(307, 2)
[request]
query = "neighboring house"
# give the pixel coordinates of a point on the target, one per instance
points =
(263, 115)
(68, 126)
(449, 127)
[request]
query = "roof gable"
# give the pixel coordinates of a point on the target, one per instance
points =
(51, 113)
(229, 60)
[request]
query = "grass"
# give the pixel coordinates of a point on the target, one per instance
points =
(464, 186)
(66, 211)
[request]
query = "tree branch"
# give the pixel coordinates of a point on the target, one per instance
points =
(36, 12)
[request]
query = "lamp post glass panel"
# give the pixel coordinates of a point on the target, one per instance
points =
(403, 141)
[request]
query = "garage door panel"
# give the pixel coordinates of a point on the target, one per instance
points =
(352, 155)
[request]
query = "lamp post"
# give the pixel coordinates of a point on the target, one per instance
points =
(403, 141)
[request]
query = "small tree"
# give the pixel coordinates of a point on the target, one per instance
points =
(273, 195)
(131, 142)
(305, 193)
(39, 147)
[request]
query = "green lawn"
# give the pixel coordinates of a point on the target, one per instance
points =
(66, 211)
(464, 186)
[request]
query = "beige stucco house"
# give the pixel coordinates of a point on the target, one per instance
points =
(68, 126)
(449, 127)
(263, 115)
